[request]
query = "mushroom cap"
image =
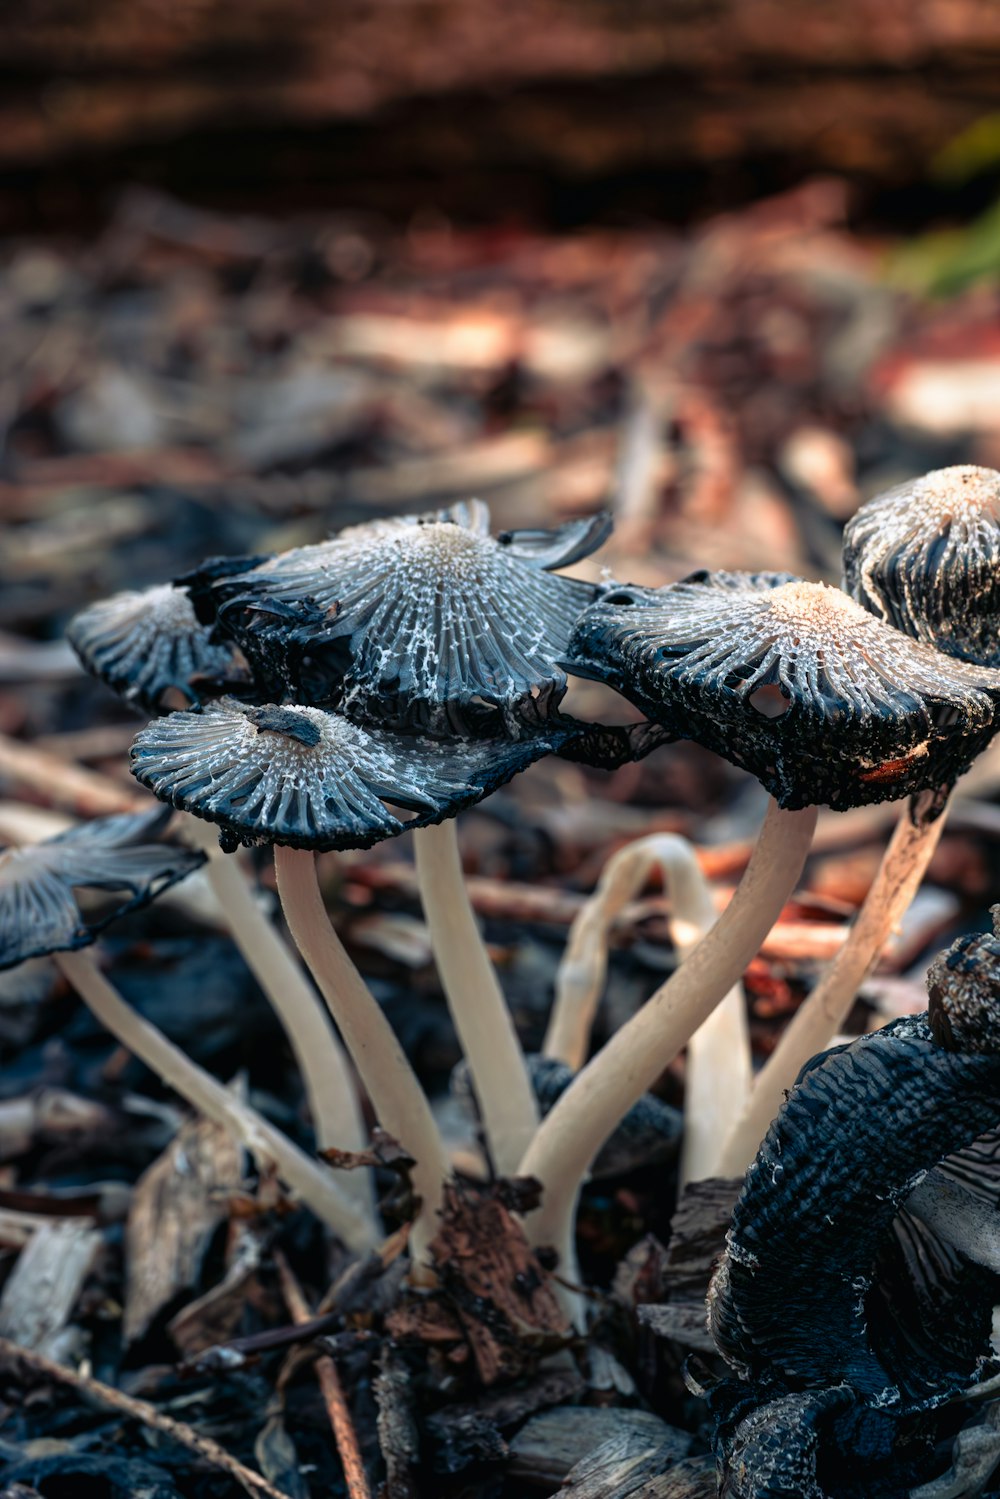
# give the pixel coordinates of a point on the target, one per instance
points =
(38, 908)
(864, 713)
(793, 1299)
(143, 643)
(309, 778)
(415, 622)
(964, 989)
(925, 557)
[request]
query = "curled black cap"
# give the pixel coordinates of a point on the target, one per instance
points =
(925, 557)
(417, 622)
(144, 643)
(794, 681)
(309, 778)
(963, 985)
(39, 912)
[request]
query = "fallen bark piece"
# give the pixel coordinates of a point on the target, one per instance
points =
(398, 1436)
(178, 1205)
(698, 1235)
(628, 1467)
(684, 1322)
(553, 1443)
(500, 1292)
(43, 1288)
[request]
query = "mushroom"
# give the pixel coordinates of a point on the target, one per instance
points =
(427, 624)
(923, 558)
(833, 1203)
(147, 645)
(40, 914)
(305, 779)
(869, 715)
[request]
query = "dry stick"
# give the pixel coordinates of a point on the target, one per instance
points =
(818, 1020)
(398, 1099)
(329, 1382)
(140, 1410)
(507, 1103)
(85, 793)
(571, 1135)
(718, 1072)
(322, 1061)
(269, 1147)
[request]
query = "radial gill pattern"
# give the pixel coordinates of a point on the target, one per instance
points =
(39, 912)
(925, 557)
(417, 623)
(142, 644)
(313, 779)
(793, 681)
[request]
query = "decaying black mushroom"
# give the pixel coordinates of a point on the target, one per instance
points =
(793, 681)
(419, 622)
(306, 778)
(925, 557)
(39, 909)
(649, 1135)
(840, 1275)
(144, 644)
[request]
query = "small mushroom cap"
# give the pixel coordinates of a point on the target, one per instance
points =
(793, 681)
(963, 985)
(144, 643)
(313, 779)
(412, 622)
(649, 1135)
(38, 908)
(925, 557)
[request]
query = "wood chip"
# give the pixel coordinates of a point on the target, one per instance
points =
(550, 1444)
(45, 1284)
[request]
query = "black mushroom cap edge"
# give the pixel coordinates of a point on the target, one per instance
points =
(792, 681)
(417, 622)
(39, 912)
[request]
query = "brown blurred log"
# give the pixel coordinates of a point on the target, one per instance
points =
(866, 85)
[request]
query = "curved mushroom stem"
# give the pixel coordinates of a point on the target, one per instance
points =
(312, 1182)
(718, 1072)
(322, 1061)
(570, 1136)
(820, 1017)
(397, 1097)
(506, 1099)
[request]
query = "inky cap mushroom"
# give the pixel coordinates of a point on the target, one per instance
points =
(925, 557)
(310, 779)
(39, 912)
(415, 622)
(145, 643)
(793, 681)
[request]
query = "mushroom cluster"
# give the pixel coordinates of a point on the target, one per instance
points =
(385, 680)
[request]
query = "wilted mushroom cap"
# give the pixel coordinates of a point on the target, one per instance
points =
(313, 779)
(144, 643)
(794, 1297)
(964, 988)
(793, 681)
(925, 557)
(411, 622)
(649, 1134)
(39, 912)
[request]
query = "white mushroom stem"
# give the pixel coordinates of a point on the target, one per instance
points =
(602, 1094)
(313, 1183)
(718, 1071)
(507, 1104)
(396, 1095)
(322, 1060)
(816, 1022)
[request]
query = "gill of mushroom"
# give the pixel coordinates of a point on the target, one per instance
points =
(425, 624)
(923, 557)
(148, 647)
(39, 915)
(834, 1205)
(718, 1067)
(304, 779)
(696, 656)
